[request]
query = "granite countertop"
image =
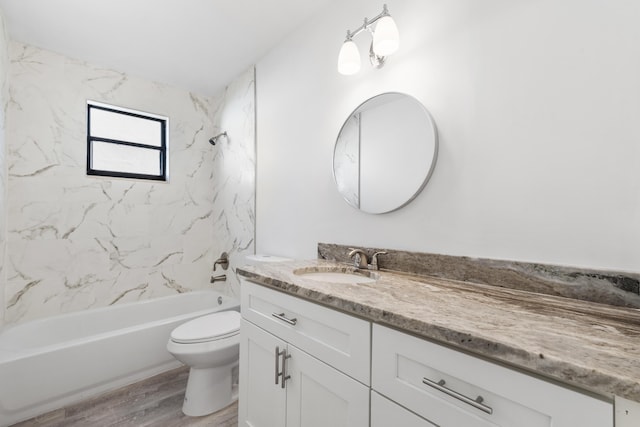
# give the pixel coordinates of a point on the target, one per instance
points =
(593, 346)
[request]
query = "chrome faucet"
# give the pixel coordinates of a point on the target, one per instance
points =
(360, 259)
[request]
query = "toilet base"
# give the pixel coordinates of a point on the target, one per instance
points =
(208, 390)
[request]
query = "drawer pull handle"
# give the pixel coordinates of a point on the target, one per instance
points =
(282, 317)
(476, 403)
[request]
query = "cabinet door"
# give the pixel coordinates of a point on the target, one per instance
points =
(262, 402)
(385, 413)
(320, 396)
(627, 412)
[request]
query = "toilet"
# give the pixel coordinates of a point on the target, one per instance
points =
(209, 345)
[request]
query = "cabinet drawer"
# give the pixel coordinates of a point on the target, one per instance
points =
(385, 413)
(337, 339)
(450, 388)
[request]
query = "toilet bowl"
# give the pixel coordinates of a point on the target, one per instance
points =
(209, 345)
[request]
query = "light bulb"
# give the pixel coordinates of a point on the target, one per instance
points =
(349, 58)
(386, 39)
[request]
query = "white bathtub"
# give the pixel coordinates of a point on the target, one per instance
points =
(48, 363)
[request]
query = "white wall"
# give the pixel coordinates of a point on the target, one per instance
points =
(536, 104)
(77, 242)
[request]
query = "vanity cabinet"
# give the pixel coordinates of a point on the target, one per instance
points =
(451, 389)
(301, 364)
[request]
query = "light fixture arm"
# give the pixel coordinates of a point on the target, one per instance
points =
(367, 24)
(349, 36)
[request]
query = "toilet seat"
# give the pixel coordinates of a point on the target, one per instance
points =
(207, 328)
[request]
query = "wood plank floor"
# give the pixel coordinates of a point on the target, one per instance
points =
(156, 401)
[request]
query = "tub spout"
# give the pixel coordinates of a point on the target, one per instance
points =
(220, 278)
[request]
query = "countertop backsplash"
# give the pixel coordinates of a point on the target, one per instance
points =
(605, 287)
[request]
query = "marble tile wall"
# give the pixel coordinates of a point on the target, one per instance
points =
(234, 171)
(605, 287)
(4, 69)
(77, 242)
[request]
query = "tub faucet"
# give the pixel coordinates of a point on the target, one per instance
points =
(220, 278)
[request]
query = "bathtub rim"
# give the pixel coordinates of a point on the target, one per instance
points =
(10, 354)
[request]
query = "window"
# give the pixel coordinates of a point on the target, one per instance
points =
(126, 143)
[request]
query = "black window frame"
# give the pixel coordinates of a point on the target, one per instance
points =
(162, 149)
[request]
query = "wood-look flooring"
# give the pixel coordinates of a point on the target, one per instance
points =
(156, 401)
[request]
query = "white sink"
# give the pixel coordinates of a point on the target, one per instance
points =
(337, 275)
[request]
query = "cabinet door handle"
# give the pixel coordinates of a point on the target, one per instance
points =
(278, 373)
(282, 317)
(285, 377)
(476, 403)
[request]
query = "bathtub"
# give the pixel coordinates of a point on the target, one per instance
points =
(49, 363)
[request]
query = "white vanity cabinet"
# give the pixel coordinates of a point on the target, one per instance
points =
(452, 389)
(303, 364)
(299, 363)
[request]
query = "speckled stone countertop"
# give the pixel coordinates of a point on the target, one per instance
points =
(593, 346)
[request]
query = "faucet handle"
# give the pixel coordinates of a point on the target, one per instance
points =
(223, 261)
(374, 260)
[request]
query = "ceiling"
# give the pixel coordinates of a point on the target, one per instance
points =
(198, 45)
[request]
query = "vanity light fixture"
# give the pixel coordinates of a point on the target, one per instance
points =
(385, 42)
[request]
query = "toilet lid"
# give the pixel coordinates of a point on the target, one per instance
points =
(208, 328)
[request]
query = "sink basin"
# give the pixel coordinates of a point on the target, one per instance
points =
(337, 275)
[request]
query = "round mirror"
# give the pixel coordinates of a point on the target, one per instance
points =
(385, 153)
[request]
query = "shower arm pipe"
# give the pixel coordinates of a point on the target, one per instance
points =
(367, 23)
(214, 139)
(220, 134)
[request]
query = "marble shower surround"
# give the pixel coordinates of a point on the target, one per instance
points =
(234, 172)
(606, 287)
(4, 70)
(77, 242)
